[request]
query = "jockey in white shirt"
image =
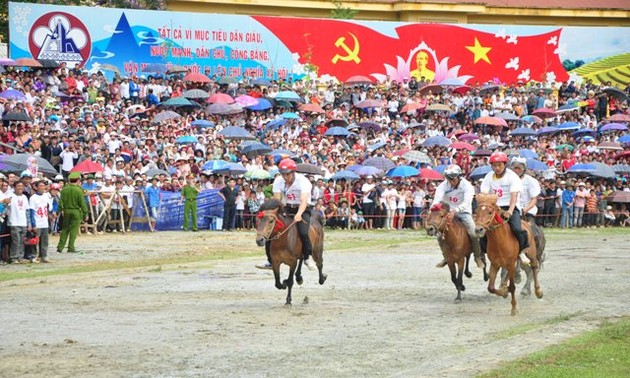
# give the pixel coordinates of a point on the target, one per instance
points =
(458, 193)
(531, 188)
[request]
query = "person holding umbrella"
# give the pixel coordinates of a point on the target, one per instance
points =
(73, 209)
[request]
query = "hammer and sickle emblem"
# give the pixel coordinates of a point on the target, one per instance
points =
(351, 54)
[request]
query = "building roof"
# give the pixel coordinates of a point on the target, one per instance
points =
(541, 4)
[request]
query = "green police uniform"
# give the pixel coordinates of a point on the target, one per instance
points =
(190, 206)
(74, 209)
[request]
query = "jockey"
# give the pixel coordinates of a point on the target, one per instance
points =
(507, 186)
(458, 193)
(294, 190)
(531, 188)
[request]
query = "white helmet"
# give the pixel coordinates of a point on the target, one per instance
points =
(452, 171)
(518, 160)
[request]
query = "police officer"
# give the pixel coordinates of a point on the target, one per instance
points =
(294, 190)
(458, 193)
(73, 208)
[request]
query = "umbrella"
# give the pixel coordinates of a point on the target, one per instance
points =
(456, 133)
(619, 196)
(309, 169)
(337, 131)
(27, 62)
(261, 81)
(482, 152)
(586, 139)
(436, 141)
(227, 80)
(337, 122)
(440, 168)
(468, 137)
(263, 104)
(235, 132)
(156, 172)
(16, 116)
(213, 165)
(20, 162)
(312, 108)
(624, 139)
(438, 108)
(402, 171)
(480, 172)
(380, 162)
(369, 104)
(618, 93)
(547, 130)
(257, 174)
(430, 174)
(87, 166)
(245, 100)
(48, 63)
(165, 115)
(231, 169)
(610, 146)
(433, 88)
(12, 94)
(568, 126)
(584, 131)
(507, 116)
(345, 175)
(177, 102)
(488, 89)
(411, 107)
(7, 62)
(186, 139)
(523, 131)
(462, 90)
(368, 170)
(582, 168)
(289, 115)
(531, 119)
(196, 94)
(536, 165)
(376, 146)
(538, 89)
(276, 123)
(224, 108)
(220, 98)
(282, 153)
(544, 113)
(492, 121)
(602, 170)
(417, 156)
(613, 127)
(452, 82)
(563, 146)
(288, 96)
(619, 118)
(529, 154)
(256, 149)
(358, 79)
(155, 68)
(195, 77)
(176, 69)
(621, 168)
(463, 146)
(202, 123)
(568, 108)
(370, 126)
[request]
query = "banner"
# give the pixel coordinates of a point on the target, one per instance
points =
(237, 46)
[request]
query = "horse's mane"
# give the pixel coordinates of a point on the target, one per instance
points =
(271, 204)
(487, 199)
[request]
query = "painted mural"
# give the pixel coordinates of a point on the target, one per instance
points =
(136, 42)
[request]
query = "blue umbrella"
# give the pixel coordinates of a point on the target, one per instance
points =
(582, 168)
(403, 171)
(568, 126)
(177, 102)
(276, 123)
(523, 131)
(440, 168)
(263, 104)
(536, 165)
(202, 123)
(232, 169)
(436, 141)
(261, 81)
(337, 131)
(524, 152)
(613, 127)
(547, 130)
(586, 138)
(12, 94)
(625, 139)
(187, 139)
(568, 107)
(345, 174)
(213, 165)
(282, 152)
(288, 96)
(480, 172)
(452, 82)
(621, 168)
(529, 118)
(584, 131)
(255, 149)
(368, 170)
(354, 168)
(235, 132)
(376, 146)
(289, 115)
(603, 170)
(380, 162)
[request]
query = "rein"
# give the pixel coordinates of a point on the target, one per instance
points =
(495, 217)
(445, 222)
(278, 235)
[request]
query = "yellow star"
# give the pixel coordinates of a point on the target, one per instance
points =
(481, 53)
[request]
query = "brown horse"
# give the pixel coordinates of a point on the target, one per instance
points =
(286, 245)
(502, 247)
(454, 243)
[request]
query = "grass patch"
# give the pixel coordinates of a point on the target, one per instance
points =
(601, 353)
(524, 328)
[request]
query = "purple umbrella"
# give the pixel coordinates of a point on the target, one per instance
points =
(547, 130)
(606, 127)
(380, 162)
(468, 137)
(370, 126)
(368, 170)
(12, 94)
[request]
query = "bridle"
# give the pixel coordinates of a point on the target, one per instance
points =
(444, 223)
(488, 224)
(268, 235)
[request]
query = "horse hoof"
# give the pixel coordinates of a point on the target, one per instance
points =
(514, 312)
(462, 288)
(458, 300)
(287, 305)
(322, 279)
(299, 280)
(468, 274)
(539, 294)
(525, 293)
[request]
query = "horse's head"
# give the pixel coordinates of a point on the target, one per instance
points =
(268, 222)
(488, 214)
(437, 219)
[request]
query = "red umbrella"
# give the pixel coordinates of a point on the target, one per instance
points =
(468, 137)
(402, 152)
(337, 122)
(456, 133)
(433, 88)
(220, 98)
(87, 166)
(493, 121)
(313, 108)
(462, 146)
(411, 107)
(370, 103)
(430, 174)
(462, 90)
(545, 113)
(196, 78)
(27, 62)
(625, 154)
(359, 79)
(619, 118)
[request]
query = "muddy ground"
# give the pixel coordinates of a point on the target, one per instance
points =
(176, 304)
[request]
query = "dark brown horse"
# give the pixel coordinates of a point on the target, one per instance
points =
(286, 245)
(454, 243)
(502, 247)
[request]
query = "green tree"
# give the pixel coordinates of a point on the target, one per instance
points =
(342, 13)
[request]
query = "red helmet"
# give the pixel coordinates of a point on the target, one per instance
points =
(287, 165)
(498, 157)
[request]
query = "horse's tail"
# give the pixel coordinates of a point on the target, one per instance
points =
(317, 216)
(541, 242)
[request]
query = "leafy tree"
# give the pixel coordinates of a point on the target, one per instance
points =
(342, 13)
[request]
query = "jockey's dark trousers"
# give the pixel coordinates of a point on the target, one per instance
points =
(302, 229)
(515, 225)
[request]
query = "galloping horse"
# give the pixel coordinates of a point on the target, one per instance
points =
(503, 248)
(286, 245)
(454, 243)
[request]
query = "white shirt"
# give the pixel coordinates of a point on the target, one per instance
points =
(17, 211)
(531, 189)
(502, 187)
(459, 199)
(366, 188)
(68, 160)
(41, 204)
(292, 194)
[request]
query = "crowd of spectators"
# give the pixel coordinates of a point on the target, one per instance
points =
(67, 116)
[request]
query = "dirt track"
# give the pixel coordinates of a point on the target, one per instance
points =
(385, 310)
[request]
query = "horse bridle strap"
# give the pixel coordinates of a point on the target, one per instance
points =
(445, 222)
(489, 226)
(278, 235)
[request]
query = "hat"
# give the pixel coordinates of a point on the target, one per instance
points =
(581, 183)
(74, 176)
(563, 182)
(90, 176)
(370, 177)
(608, 207)
(26, 174)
